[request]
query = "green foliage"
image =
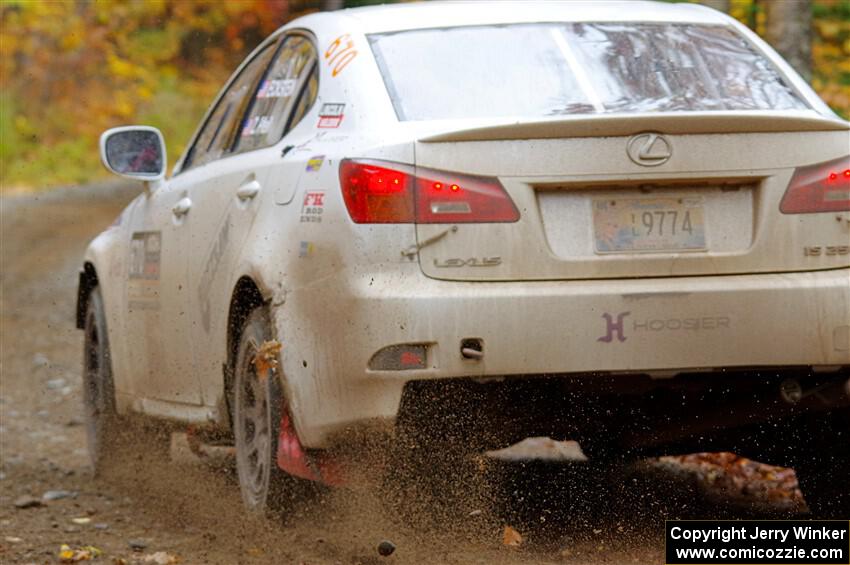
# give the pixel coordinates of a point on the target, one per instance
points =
(839, 10)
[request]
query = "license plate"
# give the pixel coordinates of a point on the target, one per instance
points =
(635, 225)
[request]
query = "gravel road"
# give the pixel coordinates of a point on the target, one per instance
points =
(153, 508)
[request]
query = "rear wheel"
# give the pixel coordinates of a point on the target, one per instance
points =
(98, 387)
(257, 405)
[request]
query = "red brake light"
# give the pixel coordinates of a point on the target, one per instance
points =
(384, 192)
(824, 187)
(375, 194)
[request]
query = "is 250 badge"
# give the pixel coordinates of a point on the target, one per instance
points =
(817, 250)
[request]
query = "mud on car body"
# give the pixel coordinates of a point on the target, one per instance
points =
(626, 225)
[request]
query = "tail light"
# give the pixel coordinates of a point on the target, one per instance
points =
(824, 187)
(381, 192)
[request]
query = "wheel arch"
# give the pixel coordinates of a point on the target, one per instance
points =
(87, 282)
(246, 296)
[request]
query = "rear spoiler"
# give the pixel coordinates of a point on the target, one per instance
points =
(629, 124)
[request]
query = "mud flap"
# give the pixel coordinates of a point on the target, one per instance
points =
(292, 458)
(291, 455)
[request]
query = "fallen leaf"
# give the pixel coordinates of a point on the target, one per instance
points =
(65, 553)
(160, 558)
(511, 537)
(265, 359)
(68, 555)
(81, 521)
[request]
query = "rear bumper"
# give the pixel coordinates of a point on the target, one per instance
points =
(656, 326)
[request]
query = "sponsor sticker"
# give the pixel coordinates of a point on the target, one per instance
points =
(619, 326)
(276, 88)
(143, 271)
(144, 255)
(258, 125)
(330, 115)
(305, 249)
(315, 163)
(313, 206)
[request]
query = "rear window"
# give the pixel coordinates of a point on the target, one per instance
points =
(527, 70)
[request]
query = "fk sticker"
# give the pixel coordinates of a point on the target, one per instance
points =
(313, 206)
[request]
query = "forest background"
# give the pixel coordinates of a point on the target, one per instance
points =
(71, 69)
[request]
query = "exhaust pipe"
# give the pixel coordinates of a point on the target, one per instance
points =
(830, 393)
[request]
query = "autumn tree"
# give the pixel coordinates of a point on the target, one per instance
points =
(788, 28)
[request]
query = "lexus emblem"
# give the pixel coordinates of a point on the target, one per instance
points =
(649, 149)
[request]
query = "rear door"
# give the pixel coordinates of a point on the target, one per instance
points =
(254, 172)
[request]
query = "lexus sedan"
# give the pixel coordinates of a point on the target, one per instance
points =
(464, 224)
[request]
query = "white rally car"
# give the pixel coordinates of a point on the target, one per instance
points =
(622, 223)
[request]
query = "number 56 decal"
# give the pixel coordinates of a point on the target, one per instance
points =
(339, 53)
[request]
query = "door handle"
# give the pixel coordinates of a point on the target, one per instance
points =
(182, 207)
(248, 190)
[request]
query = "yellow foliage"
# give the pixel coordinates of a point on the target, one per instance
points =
(144, 92)
(119, 67)
(828, 29)
(23, 126)
(123, 106)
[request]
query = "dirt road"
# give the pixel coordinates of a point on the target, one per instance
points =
(151, 509)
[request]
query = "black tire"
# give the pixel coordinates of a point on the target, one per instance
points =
(98, 386)
(257, 405)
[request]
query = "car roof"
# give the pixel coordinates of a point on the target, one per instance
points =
(424, 15)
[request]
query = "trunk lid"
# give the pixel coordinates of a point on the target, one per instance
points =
(604, 197)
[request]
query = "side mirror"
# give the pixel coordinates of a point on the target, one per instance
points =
(135, 152)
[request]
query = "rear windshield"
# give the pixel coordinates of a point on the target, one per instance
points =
(527, 70)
